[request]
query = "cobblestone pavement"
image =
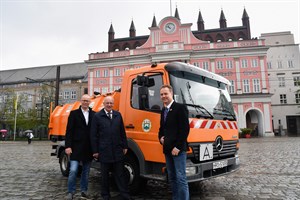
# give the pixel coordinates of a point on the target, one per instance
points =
(270, 169)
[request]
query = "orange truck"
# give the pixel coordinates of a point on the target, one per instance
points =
(213, 138)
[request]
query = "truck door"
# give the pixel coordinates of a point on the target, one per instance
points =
(142, 124)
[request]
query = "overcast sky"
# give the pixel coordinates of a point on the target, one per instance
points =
(41, 32)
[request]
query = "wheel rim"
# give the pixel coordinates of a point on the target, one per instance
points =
(64, 163)
(129, 173)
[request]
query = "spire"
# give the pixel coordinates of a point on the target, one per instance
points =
(222, 20)
(176, 14)
(154, 22)
(200, 22)
(245, 14)
(132, 30)
(111, 29)
(246, 22)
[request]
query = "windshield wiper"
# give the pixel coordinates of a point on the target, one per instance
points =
(201, 108)
(225, 112)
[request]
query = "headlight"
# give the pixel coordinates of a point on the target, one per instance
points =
(190, 171)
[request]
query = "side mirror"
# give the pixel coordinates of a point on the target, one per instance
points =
(143, 98)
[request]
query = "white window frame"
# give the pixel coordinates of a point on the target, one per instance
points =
(73, 94)
(290, 63)
(254, 62)
(66, 94)
(281, 81)
(244, 63)
(279, 64)
(219, 64)
(246, 86)
(256, 85)
(231, 88)
(117, 72)
(205, 65)
(105, 73)
(283, 99)
(229, 64)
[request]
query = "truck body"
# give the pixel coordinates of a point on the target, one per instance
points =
(213, 138)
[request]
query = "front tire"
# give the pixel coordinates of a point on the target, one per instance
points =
(64, 163)
(132, 171)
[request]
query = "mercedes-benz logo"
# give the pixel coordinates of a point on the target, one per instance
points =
(219, 143)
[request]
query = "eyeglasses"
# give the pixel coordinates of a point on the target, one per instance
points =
(86, 101)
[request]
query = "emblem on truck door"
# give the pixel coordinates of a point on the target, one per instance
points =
(219, 143)
(146, 125)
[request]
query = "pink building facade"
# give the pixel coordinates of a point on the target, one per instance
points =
(242, 61)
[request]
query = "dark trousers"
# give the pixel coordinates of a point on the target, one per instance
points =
(117, 169)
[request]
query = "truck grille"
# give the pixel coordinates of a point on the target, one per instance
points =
(229, 150)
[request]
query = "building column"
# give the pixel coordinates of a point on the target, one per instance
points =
(111, 79)
(267, 120)
(238, 76)
(212, 65)
(90, 82)
(263, 74)
(241, 117)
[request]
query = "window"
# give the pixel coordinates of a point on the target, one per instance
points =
(104, 90)
(244, 63)
(269, 64)
(281, 81)
(297, 81)
(66, 95)
(229, 64)
(254, 63)
(256, 85)
(290, 64)
(196, 64)
(219, 65)
(205, 65)
(73, 94)
(29, 97)
(153, 93)
(246, 86)
(231, 88)
(97, 75)
(297, 97)
(105, 73)
(66, 82)
(282, 98)
(60, 95)
(117, 72)
(279, 64)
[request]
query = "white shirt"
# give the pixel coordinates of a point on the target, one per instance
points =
(86, 115)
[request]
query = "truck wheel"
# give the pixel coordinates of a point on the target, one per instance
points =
(132, 170)
(64, 164)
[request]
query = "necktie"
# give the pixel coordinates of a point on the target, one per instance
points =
(109, 115)
(165, 113)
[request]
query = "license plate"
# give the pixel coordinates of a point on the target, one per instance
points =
(206, 151)
(220, 164)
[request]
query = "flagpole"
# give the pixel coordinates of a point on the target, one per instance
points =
(16, 113)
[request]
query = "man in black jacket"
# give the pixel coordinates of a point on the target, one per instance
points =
(78, 145)
(173, 133)
(109, 144)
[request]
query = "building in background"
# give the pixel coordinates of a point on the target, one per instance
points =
(34, 89)
(228, 51)
(283, 61)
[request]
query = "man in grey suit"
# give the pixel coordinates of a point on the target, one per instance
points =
(173, 133)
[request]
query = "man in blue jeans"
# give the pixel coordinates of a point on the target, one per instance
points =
(78, 146)
(173, 133)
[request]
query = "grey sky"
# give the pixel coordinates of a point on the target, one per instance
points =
(41, 32)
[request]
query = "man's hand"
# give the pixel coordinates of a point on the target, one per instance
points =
(125, 151)
(175, 151)
(96, 156)
(68, 151)
(162, 140)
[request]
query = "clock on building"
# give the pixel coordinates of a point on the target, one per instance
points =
(170, 27)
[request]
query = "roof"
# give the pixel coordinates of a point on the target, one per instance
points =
(67, 71)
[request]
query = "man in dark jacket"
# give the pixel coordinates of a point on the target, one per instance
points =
(78, 145)
(109, 144)
(173, 133)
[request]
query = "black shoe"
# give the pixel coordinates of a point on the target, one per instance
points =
(84, 195)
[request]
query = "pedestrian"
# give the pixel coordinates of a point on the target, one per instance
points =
(29, 137)
(78, 146)
(109, 143)
(173, 133)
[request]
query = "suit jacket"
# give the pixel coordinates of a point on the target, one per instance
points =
(78, 135)
(175, 129)
(108, 137)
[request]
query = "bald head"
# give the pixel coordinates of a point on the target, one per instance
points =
(85, 101)
(108, 103)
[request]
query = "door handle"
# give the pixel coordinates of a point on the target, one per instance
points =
(129, 126)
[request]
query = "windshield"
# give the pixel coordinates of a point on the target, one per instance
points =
(204, 97)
